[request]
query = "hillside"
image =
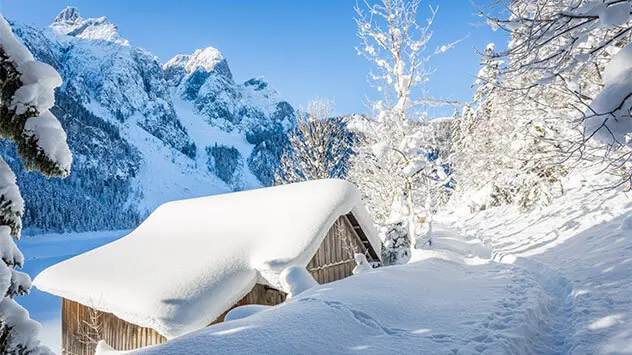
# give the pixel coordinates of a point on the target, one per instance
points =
(142, 132)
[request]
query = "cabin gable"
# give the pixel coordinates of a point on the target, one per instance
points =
(334, 259)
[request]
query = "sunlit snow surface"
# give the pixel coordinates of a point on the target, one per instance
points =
(553, 281)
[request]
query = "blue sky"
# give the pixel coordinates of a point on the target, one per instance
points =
(305, 48)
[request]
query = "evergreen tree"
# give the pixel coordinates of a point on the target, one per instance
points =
(26, 95)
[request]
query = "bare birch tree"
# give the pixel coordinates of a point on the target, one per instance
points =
(319, 146)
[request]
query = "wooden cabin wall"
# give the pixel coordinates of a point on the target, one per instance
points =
(82, 327)
(334, 260)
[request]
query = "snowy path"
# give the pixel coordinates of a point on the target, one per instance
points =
(550, 314)
(579, 249)
(555, 325)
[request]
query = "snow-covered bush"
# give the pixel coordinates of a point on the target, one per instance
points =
(26, 95)
(296, 279)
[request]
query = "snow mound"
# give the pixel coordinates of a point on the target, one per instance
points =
(244, 311)
(296, 279)
(193, 259)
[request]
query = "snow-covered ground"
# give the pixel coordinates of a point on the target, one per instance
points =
(554, 281)
(580, 250)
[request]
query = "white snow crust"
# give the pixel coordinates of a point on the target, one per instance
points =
(193, 259)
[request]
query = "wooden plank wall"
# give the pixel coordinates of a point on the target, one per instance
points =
(333, 261)
(83, 326)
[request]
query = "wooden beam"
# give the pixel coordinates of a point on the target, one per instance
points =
(365, 240)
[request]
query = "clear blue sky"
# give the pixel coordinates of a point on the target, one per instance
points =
(305, 48)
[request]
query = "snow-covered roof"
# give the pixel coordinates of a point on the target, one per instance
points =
(193, 259)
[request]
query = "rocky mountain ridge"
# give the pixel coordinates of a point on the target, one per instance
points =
(143, 132)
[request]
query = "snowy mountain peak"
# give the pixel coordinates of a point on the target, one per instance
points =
(127, 116)
(205, 60)
(69, 15)
(70, 23)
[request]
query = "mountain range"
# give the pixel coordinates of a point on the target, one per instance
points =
(144, 132)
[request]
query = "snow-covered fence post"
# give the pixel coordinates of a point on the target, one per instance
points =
(26, 95)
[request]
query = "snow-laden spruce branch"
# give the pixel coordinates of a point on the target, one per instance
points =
(26, 95)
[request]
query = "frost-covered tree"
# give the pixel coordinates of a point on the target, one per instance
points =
(319, 146)
(481, 139)
(568, 59)
(392, 165)
(26, 95)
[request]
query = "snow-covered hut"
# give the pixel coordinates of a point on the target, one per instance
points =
(193, 260)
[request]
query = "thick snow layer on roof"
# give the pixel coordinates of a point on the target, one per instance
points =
(193, 259)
